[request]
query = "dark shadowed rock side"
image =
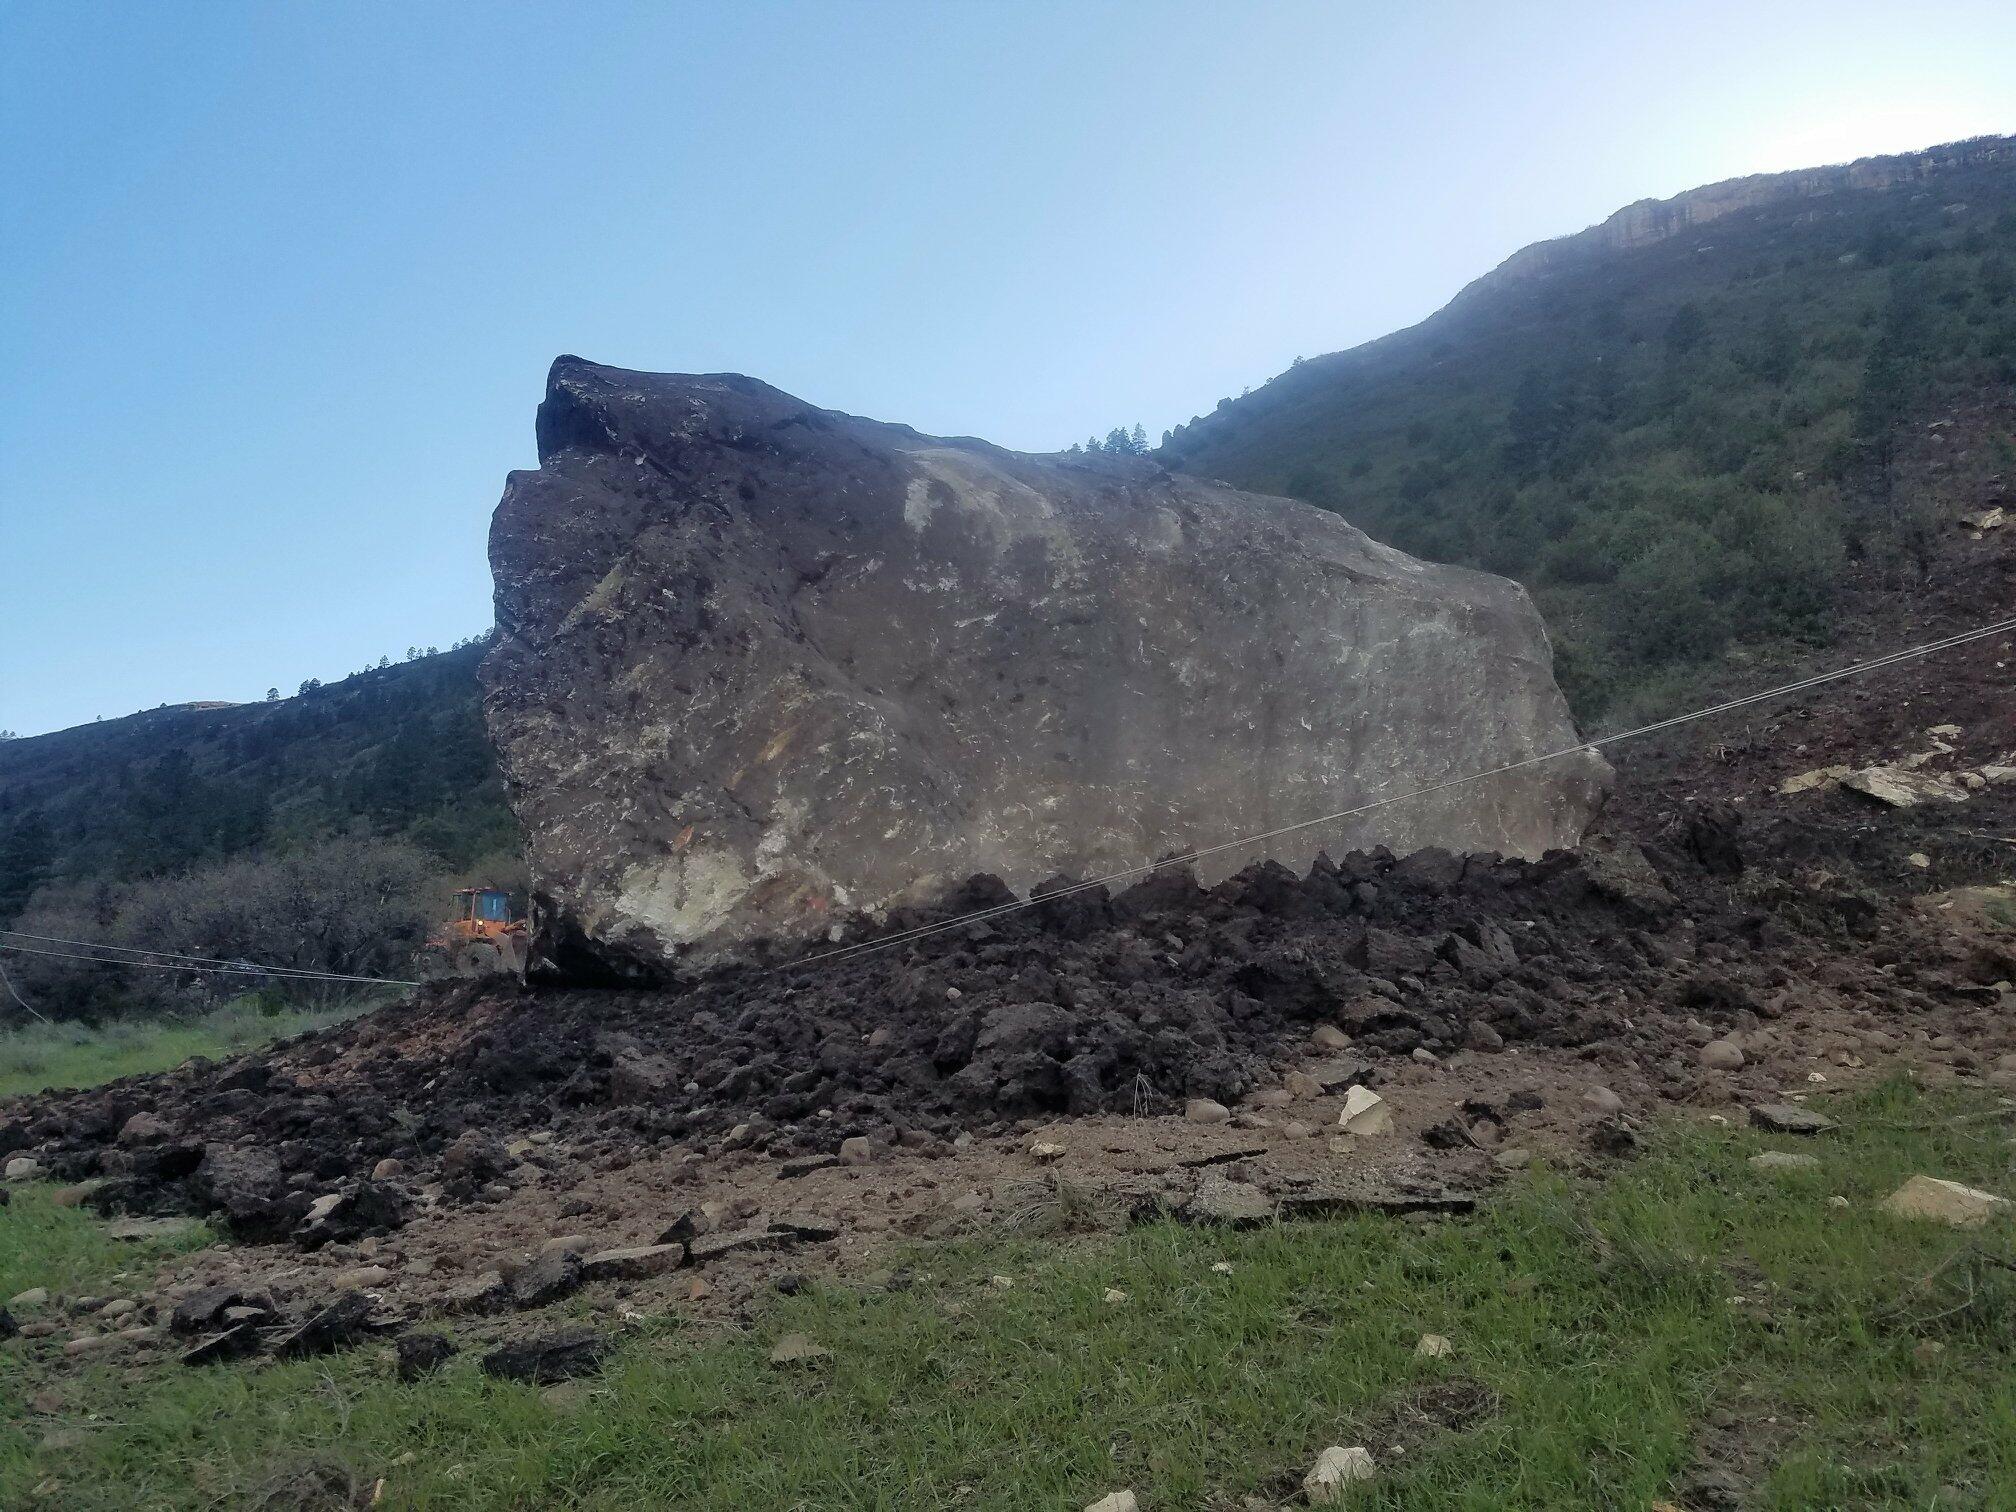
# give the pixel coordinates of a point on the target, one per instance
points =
(761, 666)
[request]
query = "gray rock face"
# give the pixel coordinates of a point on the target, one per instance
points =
(761, 664)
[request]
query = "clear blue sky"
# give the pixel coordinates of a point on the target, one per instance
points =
(279, 284)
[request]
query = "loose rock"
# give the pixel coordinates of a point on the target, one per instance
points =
(1948, 1202)
(1336, 1470)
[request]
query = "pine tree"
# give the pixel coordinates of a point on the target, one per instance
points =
(1138, 441)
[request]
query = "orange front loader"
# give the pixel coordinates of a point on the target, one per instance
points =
(482, 937)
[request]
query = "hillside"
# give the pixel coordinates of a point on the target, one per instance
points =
(399, 751)
(1688, 428)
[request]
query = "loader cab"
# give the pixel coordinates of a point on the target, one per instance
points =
(481, 911)
(492, 905)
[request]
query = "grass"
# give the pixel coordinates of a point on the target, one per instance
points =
(1609, 1340)
(40, 1057)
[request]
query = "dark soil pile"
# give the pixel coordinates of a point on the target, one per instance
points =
(1080, 1004)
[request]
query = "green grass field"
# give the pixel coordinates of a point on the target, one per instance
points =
(39, 1057)
(1609, 1338)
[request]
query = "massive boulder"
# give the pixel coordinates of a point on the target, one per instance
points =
(760, 665)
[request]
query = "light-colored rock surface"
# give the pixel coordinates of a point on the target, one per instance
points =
(1202, 1110)
(1938, 1201)
(1721, 1055)
(760, 663)
(1119, 1501)
(1365, 1112)
(1900, 787)
(1336, 1470)
(1433, 1347)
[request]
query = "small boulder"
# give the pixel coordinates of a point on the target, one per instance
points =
(554, 1275)
(856, 1150)
(1948, 1202)
(1433, 1347)
(144, 1129)
(1046, 1152)
(1365, 1113)
(21, 1168)
(1602, 1100)
(1721, 1055)
(1118, 1501)
(1301, 1085)
(1790, 1118)
(1202, 1110)
(549, 1358)
(1328, 1037)
(1336, 1470)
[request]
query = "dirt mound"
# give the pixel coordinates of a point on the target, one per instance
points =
(1084, 1004)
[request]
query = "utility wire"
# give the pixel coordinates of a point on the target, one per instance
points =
(283, 973)
(166, 955)
(15, 994)
(1853, 669)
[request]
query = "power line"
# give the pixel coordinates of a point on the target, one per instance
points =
(15, 994)
(1853, 669)
(283, 973)
(166, 955)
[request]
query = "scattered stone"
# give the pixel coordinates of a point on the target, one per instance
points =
(554, 1275)
(1784, 1160)
(548, 1359)
(1114, 1296)
(714, 1246)
(856, 1151)
(34, 1296)
(90, 1344)
(144, 1129)
(1336, 1470)
(1270, 1097)
(1900, 787)
(1513, 1158)
(421, 1354)
(1948, 1202)
(386, 1169)
(1721, 1055)
(1202, 1110)
(1365, 1112)
(22, 1168)
(118, 1307)
(1603, 1100)
(1119, 1501)
(1301, 1085)
(634, 1263)
(1421, 1055)
(200, 1309)
(806, 1226)
(1805, 782)
(1001, 1283)
(485, 1293)
(1433, 1347)
(340, 1325)
(797, 1350)
(1992, 518)
(1837, 1201)
(805, 1165)
(1919, 859)
(1046, 1153)
(1221, 1268)
(1790, 1118)
(234, 1343)
(361, 1278)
